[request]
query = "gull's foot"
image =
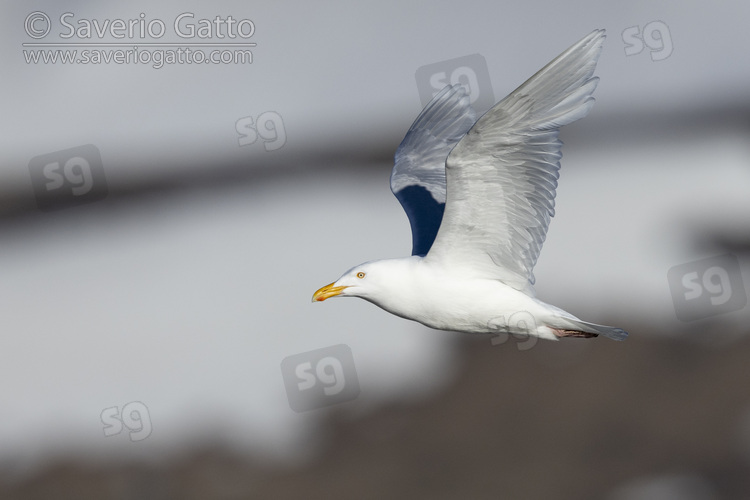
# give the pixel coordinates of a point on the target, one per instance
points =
(573, 333)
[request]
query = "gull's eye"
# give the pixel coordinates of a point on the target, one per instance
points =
(360, 275)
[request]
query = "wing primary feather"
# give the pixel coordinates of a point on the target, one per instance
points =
(502, 175)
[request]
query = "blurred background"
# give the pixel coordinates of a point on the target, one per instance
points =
(173, 194)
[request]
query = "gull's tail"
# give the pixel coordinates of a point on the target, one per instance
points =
(564, 324)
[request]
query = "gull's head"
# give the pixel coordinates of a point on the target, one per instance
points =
(359, 281)
(373, 281)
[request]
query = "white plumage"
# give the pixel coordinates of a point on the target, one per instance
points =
(479, 195)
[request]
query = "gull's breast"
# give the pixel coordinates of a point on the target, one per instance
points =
(446, 301)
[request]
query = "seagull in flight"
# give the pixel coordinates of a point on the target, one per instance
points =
(479, 195)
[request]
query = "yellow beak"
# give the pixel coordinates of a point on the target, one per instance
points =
(327, 292)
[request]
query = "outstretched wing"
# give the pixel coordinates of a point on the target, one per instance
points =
(502, 175)
(418, 176)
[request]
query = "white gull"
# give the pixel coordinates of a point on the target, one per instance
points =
(479, 195)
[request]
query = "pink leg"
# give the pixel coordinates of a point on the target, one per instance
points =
(573, 333)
